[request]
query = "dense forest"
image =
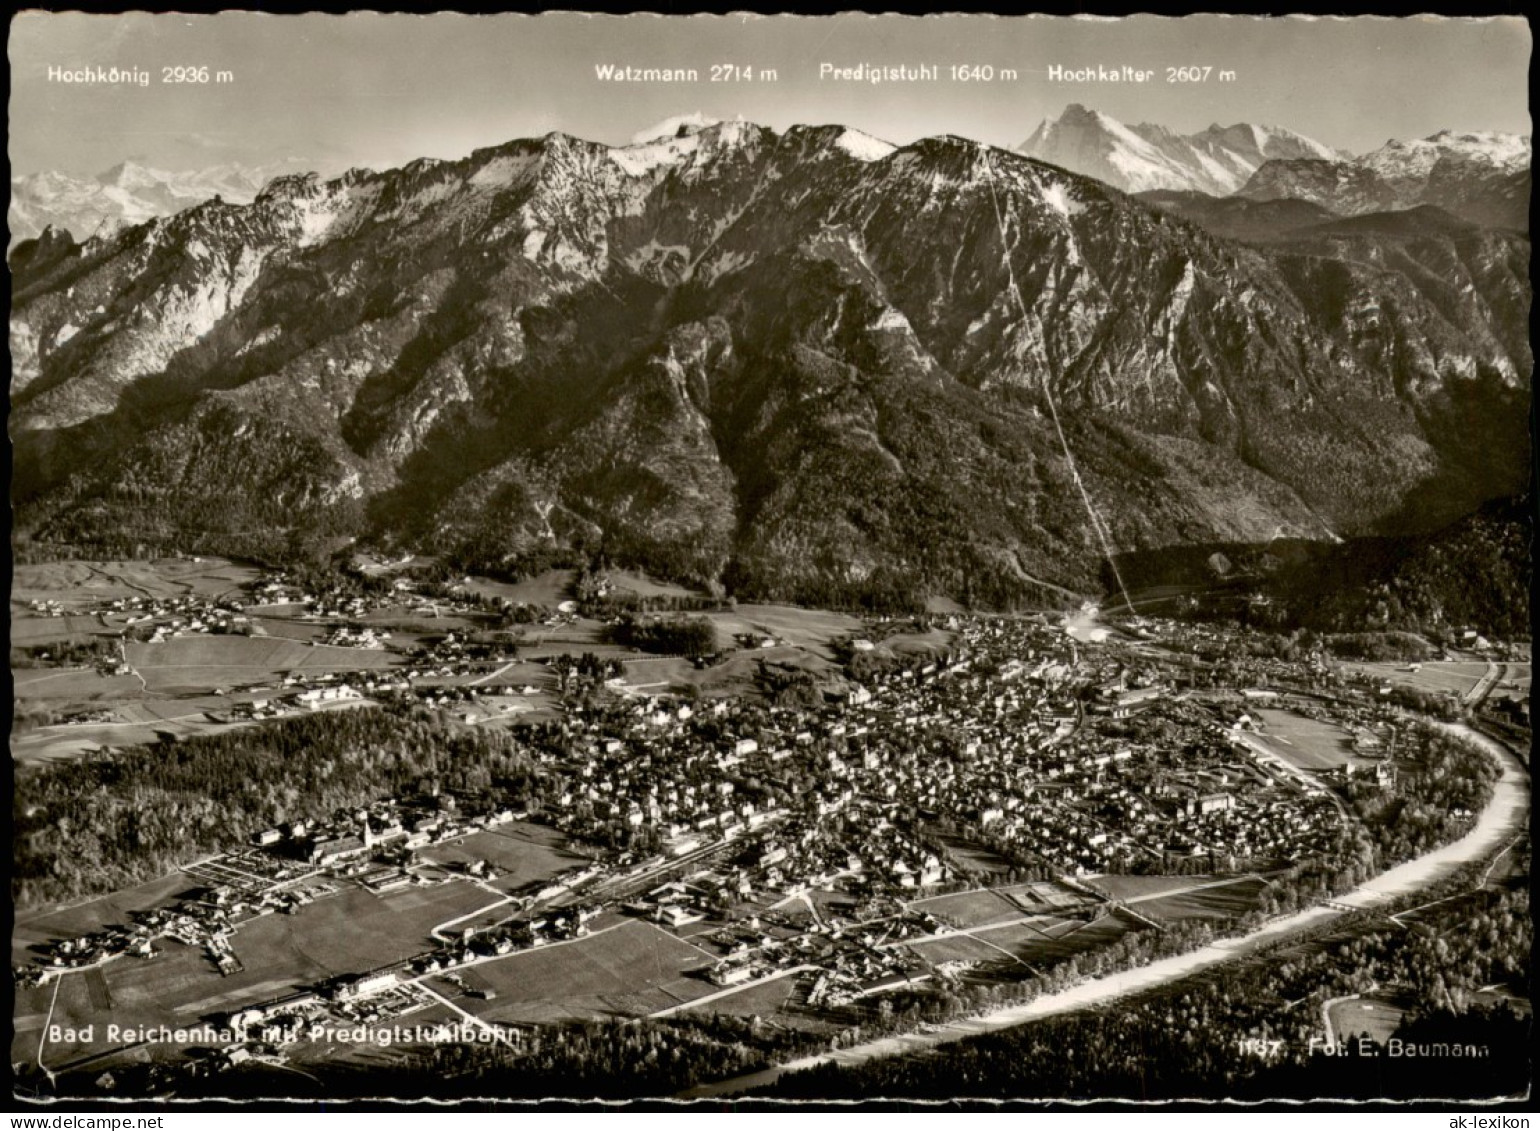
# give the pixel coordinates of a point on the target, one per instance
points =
(109, 821)
(76, 652)
(1451, 783)
(1475, 573)
(679, 636)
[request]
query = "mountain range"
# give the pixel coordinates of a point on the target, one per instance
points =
(806, 365)
(129, 193)
(1480, 177)
(1143, 158)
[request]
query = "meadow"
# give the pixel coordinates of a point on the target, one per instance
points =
(632, 969)
(1306, 743)
(969, 909)
(1434, 676)
(205, 663)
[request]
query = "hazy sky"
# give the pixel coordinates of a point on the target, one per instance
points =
(380, 90)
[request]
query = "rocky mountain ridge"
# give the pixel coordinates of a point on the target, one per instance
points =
(789, 363)
(1483, 178)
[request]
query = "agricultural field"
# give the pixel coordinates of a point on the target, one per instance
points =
(286, 628)
(39, 924)
(1218, 901)
(376, 565)
(357, 930)
(186, 685)
(547, 589)
(519, 674)
(1052, 940)
(970, 908)
(773, 1001)
(95, 581)
(29, 630)
(584, 635)
(1306, 743)
(44, 697)
(1143, 887)
(182, 686)
(75, 1001)
(629, 581)
(738, 672)
(56, 743)
(1183, 897)
(408, 623)
(633, 969)
(506, 710)
(203, 663)
(155, 711)
(809, 630)
(1042, 940)
(958, 948)
(349, 932)
(1433, 676)
(656, 673)
(71, 685)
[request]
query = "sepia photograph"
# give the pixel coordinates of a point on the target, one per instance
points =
(751, 562)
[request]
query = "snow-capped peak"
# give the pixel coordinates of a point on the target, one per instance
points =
(643, 157)
(132, 175)
(1403, 161)
(693, 139)
(1138, 158)
(1499, 148)
(127, 193)
(1472, 175)
(862, 146)
(681, 126)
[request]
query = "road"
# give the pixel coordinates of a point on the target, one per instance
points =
(1331, 1033)
(42, 1037)
(1505, 816)
(491, 675)
(491, 1030)
(1277, 767)
(1484, 685)
(730, 990)
(1030, 919)
(502, 901)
